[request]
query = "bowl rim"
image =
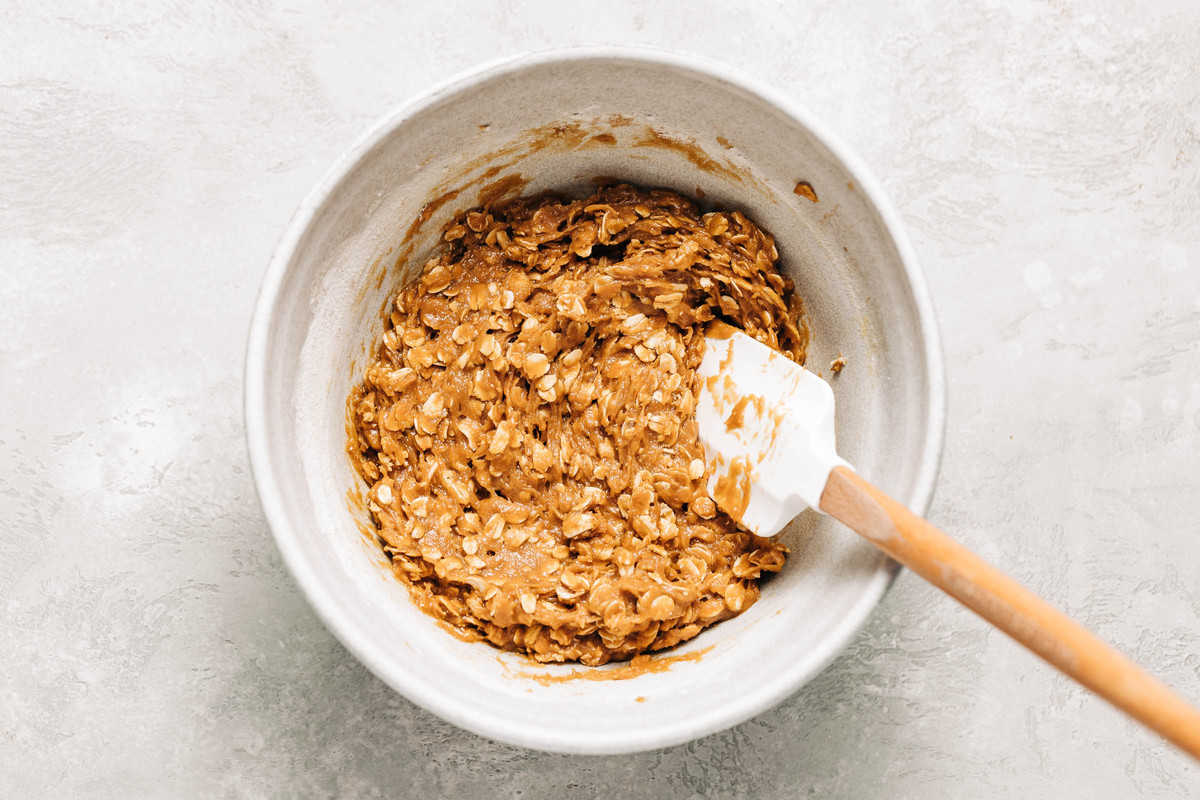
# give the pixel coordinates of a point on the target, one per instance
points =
(326, 604)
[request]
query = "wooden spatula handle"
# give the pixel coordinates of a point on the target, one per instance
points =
(1009, 606)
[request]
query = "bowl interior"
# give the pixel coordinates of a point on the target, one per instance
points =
(557, 123)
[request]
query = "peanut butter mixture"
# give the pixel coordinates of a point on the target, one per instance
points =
(527, 424)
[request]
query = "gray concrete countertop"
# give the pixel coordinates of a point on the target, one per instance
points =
(1046, 161)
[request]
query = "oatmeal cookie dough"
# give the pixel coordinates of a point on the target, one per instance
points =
(527, 424)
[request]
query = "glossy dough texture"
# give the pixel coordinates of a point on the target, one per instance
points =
(526, 425)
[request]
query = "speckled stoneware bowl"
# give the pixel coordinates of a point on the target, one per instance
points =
(556, 121)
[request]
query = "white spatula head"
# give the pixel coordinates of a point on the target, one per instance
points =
(767, 428)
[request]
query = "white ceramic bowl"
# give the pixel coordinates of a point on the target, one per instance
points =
(675, 122)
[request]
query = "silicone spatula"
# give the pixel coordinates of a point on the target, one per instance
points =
(767, 425)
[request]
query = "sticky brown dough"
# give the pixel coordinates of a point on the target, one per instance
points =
(527, 424)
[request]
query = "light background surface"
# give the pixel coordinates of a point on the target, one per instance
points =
(1046, 160)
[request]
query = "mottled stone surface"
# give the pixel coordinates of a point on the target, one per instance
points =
(1047, 163)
